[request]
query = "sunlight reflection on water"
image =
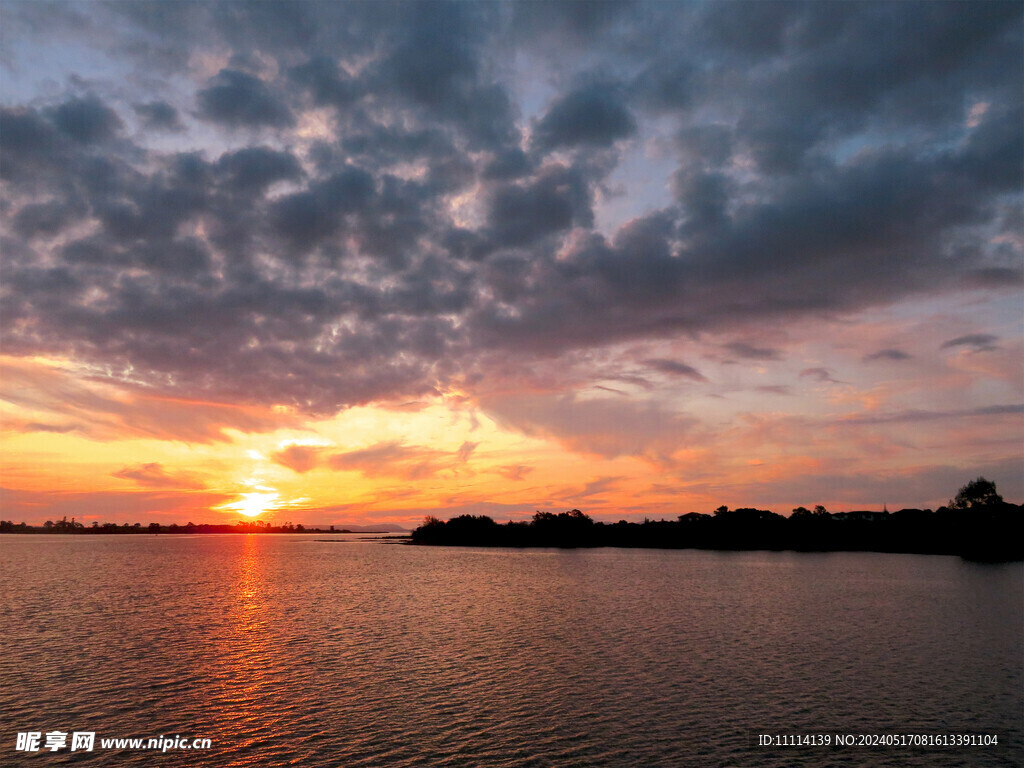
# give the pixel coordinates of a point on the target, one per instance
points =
(285, 650)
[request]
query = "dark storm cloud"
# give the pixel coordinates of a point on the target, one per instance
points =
(254, 168)
(437, 66)
(158, 116)
(240, 100)
(556, 199)
(87, 120)
(437, 53)
(511, 163)
(30, 143)
(562, 22)
(852, 65)
(326, 82)
(316, 213)
(47, 218)
(593, 115)
(825, 159)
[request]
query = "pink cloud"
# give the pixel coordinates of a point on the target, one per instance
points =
(606, 428)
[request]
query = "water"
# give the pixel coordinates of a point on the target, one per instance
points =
(284, 650)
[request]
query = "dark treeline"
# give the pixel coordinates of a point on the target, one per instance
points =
(72, 526)
(977, 524)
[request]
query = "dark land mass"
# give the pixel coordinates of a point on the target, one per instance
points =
(977, 525)
(72, 526)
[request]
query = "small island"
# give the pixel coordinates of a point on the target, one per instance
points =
(977, 524)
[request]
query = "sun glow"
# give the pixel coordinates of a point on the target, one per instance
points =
(253, 503)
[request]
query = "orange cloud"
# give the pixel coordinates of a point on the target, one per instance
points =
(153, 475)
(513, 472)
(393, 458)
(299, 458)
(70, 401)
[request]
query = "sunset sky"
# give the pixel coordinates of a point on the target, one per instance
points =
(364, 262)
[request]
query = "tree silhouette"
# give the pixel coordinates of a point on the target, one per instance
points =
(977, 493)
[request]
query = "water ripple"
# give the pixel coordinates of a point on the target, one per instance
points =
(286, 651)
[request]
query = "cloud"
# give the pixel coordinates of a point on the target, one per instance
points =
(750, 352)
(307, 217)
(775, 389)
(592, 115)
(514, 472)
(927, 485)
(887, 354)
(465, 451)
(159, 116)
(253, 169)
(389, 459)
(675, 368)
(326, 82)
(47, 218)
(606, 428)
(238, 99)
(915, 415)
(555, 200)
(103, 411)
(978, 342)
(823, 375)
(299, 458)
(153, 475)
(376, 205)
(86, 120)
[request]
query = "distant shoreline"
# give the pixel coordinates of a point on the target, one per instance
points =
(986, 533)
(73, 528)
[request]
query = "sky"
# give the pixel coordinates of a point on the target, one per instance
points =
(362, 262)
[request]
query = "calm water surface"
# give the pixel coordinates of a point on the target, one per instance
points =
(285, 650)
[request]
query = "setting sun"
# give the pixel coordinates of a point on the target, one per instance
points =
(254, 503)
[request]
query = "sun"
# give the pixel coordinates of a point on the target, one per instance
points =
(253, 503)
